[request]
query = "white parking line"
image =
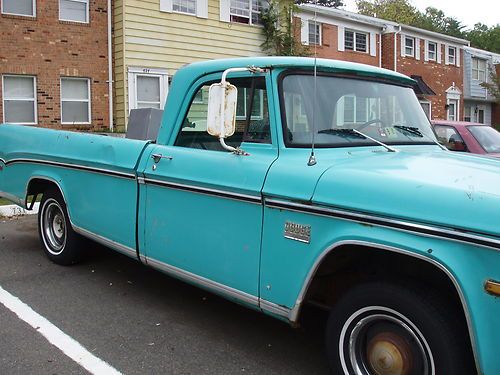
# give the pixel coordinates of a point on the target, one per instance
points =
(56, 337)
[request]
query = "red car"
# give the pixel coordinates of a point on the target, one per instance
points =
(468, 137)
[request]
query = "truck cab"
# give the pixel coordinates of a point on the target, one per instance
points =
(302, 181)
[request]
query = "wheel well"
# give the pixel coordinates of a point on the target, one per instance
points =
(38, 186)
(351, 264)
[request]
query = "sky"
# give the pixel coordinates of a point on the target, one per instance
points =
(467, 11)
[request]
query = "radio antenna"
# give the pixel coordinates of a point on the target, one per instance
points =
(312, 157)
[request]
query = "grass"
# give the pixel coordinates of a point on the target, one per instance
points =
(4, 202)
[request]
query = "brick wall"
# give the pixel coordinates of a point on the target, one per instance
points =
(439, 77)
(50, 49)
(329, 48)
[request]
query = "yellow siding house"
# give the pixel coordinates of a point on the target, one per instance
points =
(154, 38)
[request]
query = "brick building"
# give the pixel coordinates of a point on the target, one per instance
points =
(341, 35)
(54, 63)
(434, 60)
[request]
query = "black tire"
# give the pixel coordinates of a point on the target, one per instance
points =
(379, 327)
(60, 242)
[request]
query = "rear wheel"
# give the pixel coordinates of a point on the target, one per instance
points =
(60, 242)
(389, 329)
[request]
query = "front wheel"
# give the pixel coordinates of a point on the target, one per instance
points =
(388, 329)
(60, 243)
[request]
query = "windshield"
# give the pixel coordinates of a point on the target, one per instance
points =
(388, 113)
(487, 137)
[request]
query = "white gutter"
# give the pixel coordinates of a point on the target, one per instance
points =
(396, 48)
(380, 50)
(110, 67)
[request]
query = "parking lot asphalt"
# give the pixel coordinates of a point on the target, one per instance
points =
(138, 320)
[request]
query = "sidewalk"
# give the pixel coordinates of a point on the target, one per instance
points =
(13, 210)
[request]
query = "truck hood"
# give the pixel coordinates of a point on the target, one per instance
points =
(433, 187)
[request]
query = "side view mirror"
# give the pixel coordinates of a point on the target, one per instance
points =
(221, 119)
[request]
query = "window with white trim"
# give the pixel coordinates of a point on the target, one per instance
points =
(247, 11)
(19, 7)
(19, 99)
(147, 88)
(75, 101)
(352, 109)
(431, 51)
(478, 69)
(355, 41)
(409, 46)
(452, 110)
(452, 56)
(148, 92)
(314, 33)
(467, 113)
(426, 106)
(257, 105)
(74, 10)
(184, 6)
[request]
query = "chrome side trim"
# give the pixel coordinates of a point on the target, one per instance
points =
(295, 311)
(3, 161)
(106, 242)
(202, 190)
(13, 198)
(275, 309)
(140, 180)
(478, 239)
(222, 289)
(72, 166)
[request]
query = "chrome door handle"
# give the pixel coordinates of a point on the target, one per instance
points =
(157, 157)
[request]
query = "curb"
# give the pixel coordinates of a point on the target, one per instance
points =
(14, 210)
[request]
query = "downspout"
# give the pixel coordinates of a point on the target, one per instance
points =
(396, 48)
(110, 67)
(380, 49)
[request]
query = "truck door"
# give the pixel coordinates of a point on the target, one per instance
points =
(202, 205)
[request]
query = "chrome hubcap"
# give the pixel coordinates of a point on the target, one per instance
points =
(53, 227)
(380, 341)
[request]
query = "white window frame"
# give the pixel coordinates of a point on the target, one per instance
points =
(340, 109)
(478, 70)
(188, 13)
(35, 101)
(456, 104)
(412, 47)
(260, 116)
(355, 33)
(33, 15)
(133, 72)
(88, 100)
(250, 13)
(87, 16)
(318, 25)
(449, 55)
(468, 108)
(428, 52)
(426, 102)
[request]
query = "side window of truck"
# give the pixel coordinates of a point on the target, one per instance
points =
(252, 117)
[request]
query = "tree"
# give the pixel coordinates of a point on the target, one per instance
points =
(325, 3)
(493, 85)
(485, 37)
(401, 11)
(281, 30)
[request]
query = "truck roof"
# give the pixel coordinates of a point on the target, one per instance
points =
(201, 68)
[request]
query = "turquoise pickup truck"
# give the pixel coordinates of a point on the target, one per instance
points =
(277, 182)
